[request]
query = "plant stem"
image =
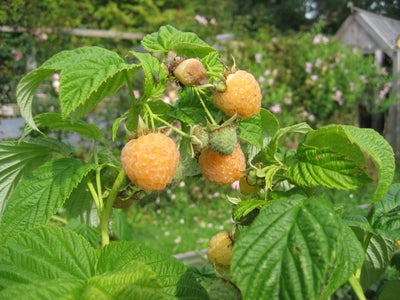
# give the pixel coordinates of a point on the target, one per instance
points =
(210, 117)
(154, 116)
(94, 196)
(98, 178)
(59, 219)
(106, 212)
(128, 82)
(356, 286)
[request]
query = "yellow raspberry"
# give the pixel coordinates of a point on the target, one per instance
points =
(190, 72)
(150, 161)
(219, 252)
(222, 169)
(242, 95)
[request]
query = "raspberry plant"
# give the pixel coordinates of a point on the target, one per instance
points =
(288, 242)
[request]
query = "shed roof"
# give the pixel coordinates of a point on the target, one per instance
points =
(369, 31)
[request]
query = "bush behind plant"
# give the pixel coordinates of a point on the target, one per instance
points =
(288, 241)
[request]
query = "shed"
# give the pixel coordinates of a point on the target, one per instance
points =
(374, 34)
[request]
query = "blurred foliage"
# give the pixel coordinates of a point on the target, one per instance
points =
(308, 76)
(305, 75)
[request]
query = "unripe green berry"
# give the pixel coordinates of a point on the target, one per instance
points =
(223, 140)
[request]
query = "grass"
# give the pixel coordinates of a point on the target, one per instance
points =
(184, 217)
(180, 219)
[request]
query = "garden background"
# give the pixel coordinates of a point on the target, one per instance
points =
(305, 75)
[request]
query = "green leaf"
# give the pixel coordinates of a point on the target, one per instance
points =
(54, 121)
(323, 167)
(377, 259)
(51, 256)
(174, 276)
(245, 207)
(136, 280)
(75, 61)
(116, 124)
(79, 204)
(291, 249)
(46, 290)
(91, 234)
(155, 75)
(390, 290)
(66, 58)
(188, 108)
(26, 91)
(350, 256)
(269, 152)
(38, 196)
(121, 228)
(259, 129)
(384, 215)
(84, 84)
(19, 158)
(334, 138)
(168, 38)
(381, 153)
(46, 253)
(333, 156)
(215, 68)
(301, 128)
(161, 109)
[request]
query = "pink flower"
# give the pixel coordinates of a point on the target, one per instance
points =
(314, 77)
(318, 62)
(364, 79)
(338, 96)
(288, 98)
(261, 79)
(275, 108)
(136, 93)
(258, 57)
(56, 86)
(42, 36)
(202, 20)
(308, 67)
(55, 76)
(235, 185)
(317, 39)
(17, 54)
(311, 118)
(271, 81)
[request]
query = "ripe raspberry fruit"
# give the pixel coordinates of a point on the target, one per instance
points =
(190, 72)
(222, 169)
(241, 96)
(223, 140)
(150, 161)
(219, 252)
